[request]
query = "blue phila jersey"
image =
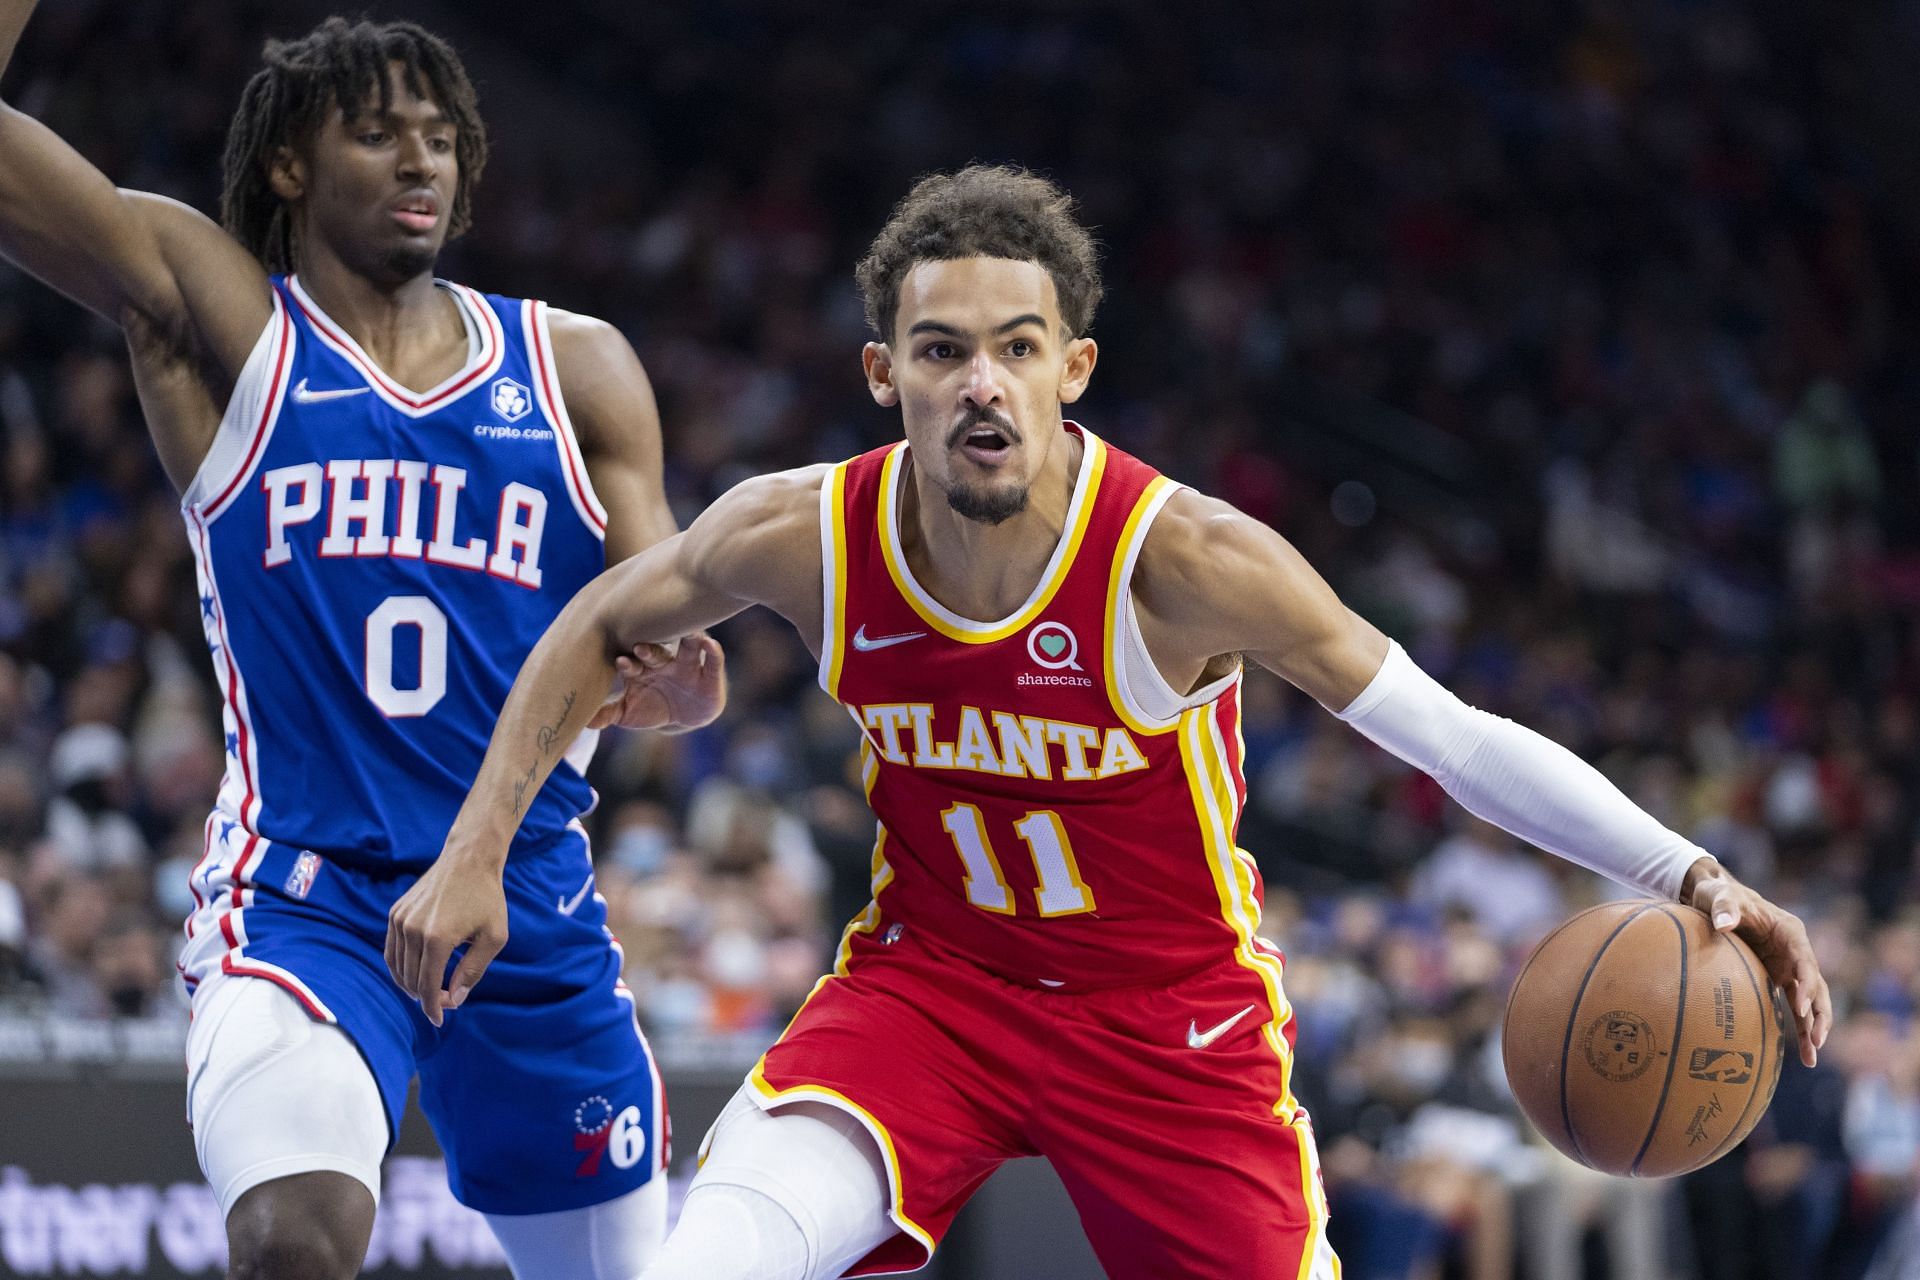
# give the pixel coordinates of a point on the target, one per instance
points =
(374, 564)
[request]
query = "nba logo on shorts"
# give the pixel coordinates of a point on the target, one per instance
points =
(300, 879)
(510, 399)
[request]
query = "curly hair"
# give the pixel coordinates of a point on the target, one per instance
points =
(345, 64)
(983, 211)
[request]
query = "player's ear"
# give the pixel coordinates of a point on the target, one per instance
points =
(877, 358)
(287, 174)
(1081, 355)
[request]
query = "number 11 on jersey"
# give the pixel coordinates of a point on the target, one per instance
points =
(1061, 892)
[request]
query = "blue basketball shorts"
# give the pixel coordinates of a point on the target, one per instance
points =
(540, 1088)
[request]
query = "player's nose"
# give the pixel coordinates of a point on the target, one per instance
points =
(414, 159)
(983, 383)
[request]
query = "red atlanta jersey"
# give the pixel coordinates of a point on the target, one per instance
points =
(1034, 817)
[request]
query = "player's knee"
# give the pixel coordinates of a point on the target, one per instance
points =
(312, 1226)
(733, 1233)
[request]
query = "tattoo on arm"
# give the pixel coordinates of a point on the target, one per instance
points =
(547, 739)
(549, 735)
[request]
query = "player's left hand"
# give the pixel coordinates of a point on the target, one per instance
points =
(1781, 942)
(452, 905)
(669, 689)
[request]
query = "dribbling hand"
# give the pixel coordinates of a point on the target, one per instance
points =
(450, 905)
(1781, 942)
(669, 689)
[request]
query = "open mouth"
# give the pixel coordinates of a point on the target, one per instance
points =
(985, 445)
(417, 213)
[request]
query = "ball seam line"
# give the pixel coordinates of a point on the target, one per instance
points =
(1673, 1046)
(1573, 1020)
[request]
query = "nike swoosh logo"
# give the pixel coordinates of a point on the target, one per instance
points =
(1198, 1039)
(865, 645)
(304, 396)
(570, 905)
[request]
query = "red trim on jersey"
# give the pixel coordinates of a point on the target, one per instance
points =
(549, 387)
(244, 968)
(231, 692)
(240, 867)
(483, 364)
(276, 387)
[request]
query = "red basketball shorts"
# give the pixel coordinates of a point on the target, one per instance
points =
(1165, 1110)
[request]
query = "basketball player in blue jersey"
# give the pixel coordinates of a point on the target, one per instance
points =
(392, 484)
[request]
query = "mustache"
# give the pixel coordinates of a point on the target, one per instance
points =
(982, 416)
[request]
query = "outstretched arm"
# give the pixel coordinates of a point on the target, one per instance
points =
(166, 274)
(759, 544)
(1213, 581)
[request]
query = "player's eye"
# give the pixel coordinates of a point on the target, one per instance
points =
(373, 137)
(939, 351)
(1019, 348)
(441, 144)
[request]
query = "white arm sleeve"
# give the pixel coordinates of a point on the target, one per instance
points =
(1519, 780)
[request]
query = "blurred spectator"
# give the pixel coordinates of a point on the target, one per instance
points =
(1481, 871)
(87, 824)
(73, 911)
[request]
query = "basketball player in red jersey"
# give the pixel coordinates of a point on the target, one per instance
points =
(1040, 638)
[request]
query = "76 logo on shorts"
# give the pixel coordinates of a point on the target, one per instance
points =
(601, 1133)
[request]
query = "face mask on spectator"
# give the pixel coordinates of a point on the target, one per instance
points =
(1420, 1064)
(641, 851)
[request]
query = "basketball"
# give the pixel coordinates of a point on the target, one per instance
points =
(1642, 1042)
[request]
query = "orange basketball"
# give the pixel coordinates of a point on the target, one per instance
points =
(1642, 1042)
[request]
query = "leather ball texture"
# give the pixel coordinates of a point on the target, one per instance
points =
(1641, 1041)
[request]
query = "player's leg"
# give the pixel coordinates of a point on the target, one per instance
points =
(792, 1194)
(543, 1093)
(612, 1240)
(1185, 1155)
(289, 1128)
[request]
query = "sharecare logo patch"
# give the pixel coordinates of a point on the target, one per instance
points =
(1053, 646)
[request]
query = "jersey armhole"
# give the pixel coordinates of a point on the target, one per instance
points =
(833, 576)
(546, 388)
(252, 409)
(1138, 691)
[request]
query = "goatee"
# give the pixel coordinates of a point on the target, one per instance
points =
(987, 506)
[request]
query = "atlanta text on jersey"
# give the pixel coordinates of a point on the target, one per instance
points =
(1017, 747)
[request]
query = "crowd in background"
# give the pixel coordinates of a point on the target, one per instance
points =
(1573, 342)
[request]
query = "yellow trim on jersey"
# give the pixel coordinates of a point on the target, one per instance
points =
(834, 1098)
(1314, 1198)
(833, 528)
(1203, 757)
(1124, 558)
(1093, 464)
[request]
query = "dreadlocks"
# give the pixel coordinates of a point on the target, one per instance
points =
(345, 64)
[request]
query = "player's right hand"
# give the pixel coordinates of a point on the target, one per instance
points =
(1778, 938)
(450, 906)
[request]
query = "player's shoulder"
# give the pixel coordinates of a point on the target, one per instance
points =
(777, 496)
(588, 342)
(1189, 529)
(761, 538)
(762, 513)
(605, 387)
(1194, 541)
